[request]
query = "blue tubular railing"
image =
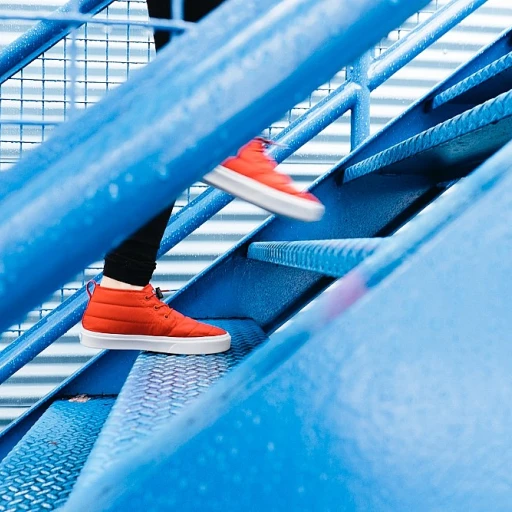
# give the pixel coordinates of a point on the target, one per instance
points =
(383, 67)
(62, 318)
(135, 164)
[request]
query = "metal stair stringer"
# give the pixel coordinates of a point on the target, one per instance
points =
(362, 404)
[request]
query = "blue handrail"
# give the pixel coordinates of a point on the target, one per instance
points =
(62, 318)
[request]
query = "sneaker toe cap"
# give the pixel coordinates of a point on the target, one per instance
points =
(205, 330)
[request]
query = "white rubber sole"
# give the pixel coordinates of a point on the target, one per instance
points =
(162, 344)
(263, 196)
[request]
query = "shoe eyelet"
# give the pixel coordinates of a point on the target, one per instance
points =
(155, 308)
(147, 298)
(166, 316)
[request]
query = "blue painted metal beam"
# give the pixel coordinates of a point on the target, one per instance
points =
(330, 257)
(312, 122)
(396, 405)
(360, 119)
(73, 133)
(135, 164)
(419, 39)
(43, 36)
(333, 106)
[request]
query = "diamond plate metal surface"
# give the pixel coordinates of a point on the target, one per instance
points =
(330, 257)
(160, 386)
(488, 113)
(41, 470)
(487, 73)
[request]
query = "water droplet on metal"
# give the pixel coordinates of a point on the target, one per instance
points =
(113, 190)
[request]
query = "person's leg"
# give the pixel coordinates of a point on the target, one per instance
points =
(131, 265)
(125, 312)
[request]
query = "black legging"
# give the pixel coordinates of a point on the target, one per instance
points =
(134, 261)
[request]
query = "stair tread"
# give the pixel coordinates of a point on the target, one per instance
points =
(40, 472)
(330, 257)
(461, 143)
(158, 387)
(496, 77)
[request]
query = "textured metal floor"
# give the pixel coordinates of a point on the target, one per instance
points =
(158, 387)
(41, 470)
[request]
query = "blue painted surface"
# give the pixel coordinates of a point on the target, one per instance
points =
(380, 69)
(494, 79)
(466, 139)
(292, 138)
(75, 132)
(330, 257)
(41, 471)
(104, 374)
(43, 36)
(160, 387)
(419, 39)
(59, 208)
(393, 406)
(360, 119)
(420, 116)
(271, 294)
(276, 415)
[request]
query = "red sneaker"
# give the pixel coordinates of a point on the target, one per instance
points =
(252, 176)
(139, 320)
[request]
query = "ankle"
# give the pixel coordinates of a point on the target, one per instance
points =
(108, 282)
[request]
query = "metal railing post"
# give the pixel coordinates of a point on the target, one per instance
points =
(177, 9)
(360, 119)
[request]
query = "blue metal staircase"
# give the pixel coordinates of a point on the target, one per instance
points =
(388, 393)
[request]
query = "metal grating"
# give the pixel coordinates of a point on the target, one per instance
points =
(160, 386)
(41, 470)
(105, 56)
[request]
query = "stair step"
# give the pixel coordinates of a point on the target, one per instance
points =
(158, 387)
(488, 82)
(448, 150)
(330, 257)
(39, 473)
